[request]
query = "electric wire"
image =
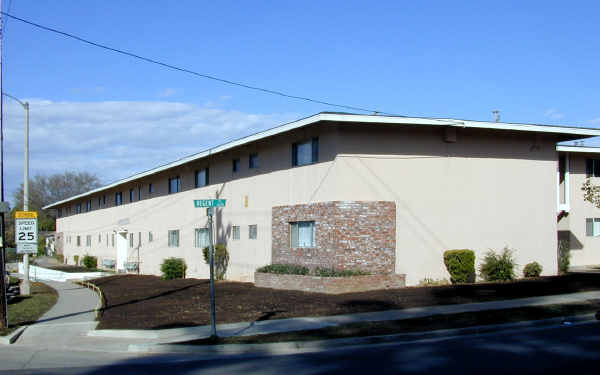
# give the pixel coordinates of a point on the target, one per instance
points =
(185, 70)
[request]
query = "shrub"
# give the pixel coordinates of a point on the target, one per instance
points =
(90, 261)
(76, 258)
(331, 272)
(41, 246)
(284, 269)
(428, 281)
(221, 260)
(533, 269)
(564, 257)
(173, 268)
(461, 265)
(498, 267)
(60, 257)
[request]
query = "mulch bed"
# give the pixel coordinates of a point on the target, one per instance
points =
(72, 269)
(148, 302)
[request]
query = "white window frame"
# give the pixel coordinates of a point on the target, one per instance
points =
(295, 233)
(592, 227)
(252, 231)
(173, 238)
(235, 232)
(197, 241)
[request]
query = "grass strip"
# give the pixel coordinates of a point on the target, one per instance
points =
(26, 310)
(430, 323)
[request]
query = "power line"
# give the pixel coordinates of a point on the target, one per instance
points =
(173, 67)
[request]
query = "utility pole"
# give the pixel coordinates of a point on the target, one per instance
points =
(211, 257)
(3, 301)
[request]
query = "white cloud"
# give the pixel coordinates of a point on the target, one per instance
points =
(595, 121)
(553, 114)
(118, 139)
(167, 92)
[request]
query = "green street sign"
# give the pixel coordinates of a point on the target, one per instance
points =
(209, 203)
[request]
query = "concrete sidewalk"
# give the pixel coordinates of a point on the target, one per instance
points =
(71, 317)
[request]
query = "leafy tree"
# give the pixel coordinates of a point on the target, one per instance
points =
(44, 190)
(591, 193)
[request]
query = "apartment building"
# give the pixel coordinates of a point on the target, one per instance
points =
(384, 194)
(578, 220)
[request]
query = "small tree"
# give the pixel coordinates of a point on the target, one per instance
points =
(533, 269)
(90, 262)
(173, 268)
(76, 259)
(591, 193)
(498, 267)
(564, 257)
(460, 265)
(221, 260)
(41, 246)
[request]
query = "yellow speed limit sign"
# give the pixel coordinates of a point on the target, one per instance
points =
(26, 232)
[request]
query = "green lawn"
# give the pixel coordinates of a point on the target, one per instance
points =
(26, 310)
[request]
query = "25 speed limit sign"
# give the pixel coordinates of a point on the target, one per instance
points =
(26, 232)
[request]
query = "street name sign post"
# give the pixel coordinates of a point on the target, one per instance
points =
(210, 204)
(26, 234)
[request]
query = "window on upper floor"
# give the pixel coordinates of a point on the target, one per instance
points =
(173, 240)
(99, 201)
(592, 167)
(104, 200)
(131, 195)
(302, 234)
(78, 208)
(592, 227)
(235, 165)
(139, 193)
(88, 206)
(119, 198)
(150, 189)
(202, 177)
(68, 210)
(59, 212)
(253, 161)
(174, 185)
(305, 153)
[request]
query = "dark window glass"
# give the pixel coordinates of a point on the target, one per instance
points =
(253, 161)
(118, 198)
(236, 165)
(139, 193)
(202, 177)
(305, 153)
(78, 209)
(131, 195)
(174, 185)
(59, 212)
(150, 188)
(104, 200)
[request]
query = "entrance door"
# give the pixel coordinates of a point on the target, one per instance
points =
(121, 251)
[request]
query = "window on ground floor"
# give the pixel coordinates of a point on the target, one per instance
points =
(150, 237)
(174, 238)
(88, 240)
(201, 238)
(112, 240)
(592, 227)
(236, 232)
(302, 234)
(99, 238)
(252, 231)
(78, 241)
(130, 239)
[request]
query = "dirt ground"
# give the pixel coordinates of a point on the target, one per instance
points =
(148, 302)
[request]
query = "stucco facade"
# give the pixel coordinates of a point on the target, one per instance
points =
(461, 187)
(574, 210)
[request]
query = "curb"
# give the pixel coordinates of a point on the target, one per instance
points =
(100, 304)
(282, 348)
(10, 339)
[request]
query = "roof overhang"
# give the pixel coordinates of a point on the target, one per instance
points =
(593, 150)
(568, 133)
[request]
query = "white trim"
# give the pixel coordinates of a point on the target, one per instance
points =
(578, 149)
(567, 205)
(342, 117)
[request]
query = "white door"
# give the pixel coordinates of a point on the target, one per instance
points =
(121, 251)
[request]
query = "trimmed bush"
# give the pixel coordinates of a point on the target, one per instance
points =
(533, 269)
(76, 259)
(331, 272)
(221, 260)
(284, 269)
(90, 261)
(429, 281)
(173, 268)
(498, 267)
(461, 265)
(564, 257)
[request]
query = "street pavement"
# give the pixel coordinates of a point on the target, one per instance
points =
(557, 349)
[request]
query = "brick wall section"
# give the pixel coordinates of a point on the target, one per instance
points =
(329, 285)
(349, 235)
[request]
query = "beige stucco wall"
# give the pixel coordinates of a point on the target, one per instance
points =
(584, 250)
(488, 190)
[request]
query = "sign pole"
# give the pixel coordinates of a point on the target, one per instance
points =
(3, 301)
(213, 319)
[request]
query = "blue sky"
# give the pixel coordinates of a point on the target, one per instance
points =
(536, 61)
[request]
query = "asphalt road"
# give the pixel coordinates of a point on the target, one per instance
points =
(559, 349)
